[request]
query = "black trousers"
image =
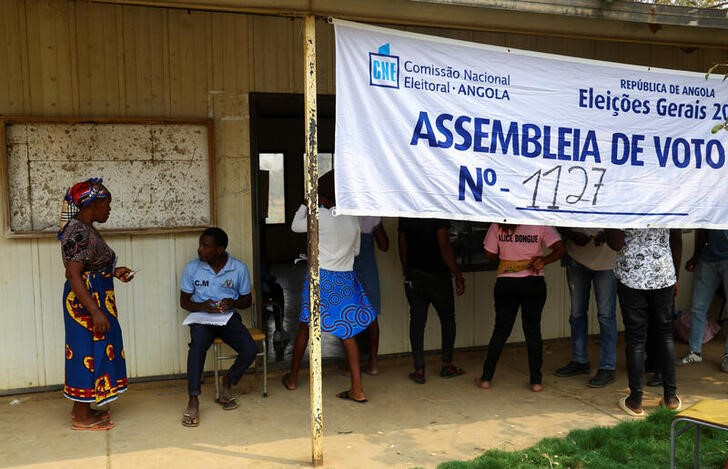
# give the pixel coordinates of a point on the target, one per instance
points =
(644, 310)
(528, 293)
(423, 289)
(234, 334)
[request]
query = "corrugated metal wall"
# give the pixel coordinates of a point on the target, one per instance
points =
(69, 58)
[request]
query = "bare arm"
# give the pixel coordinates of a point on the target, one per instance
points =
(615, 239)
(557, 252)
(701, 239)
(448, 256)
(224, 305)
(676, 249)
(74, 272)
(380, 236)
(491, 256)
(243, 301)
(579, 238)
(185, 301)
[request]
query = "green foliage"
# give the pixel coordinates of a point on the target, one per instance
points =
(639, 443)
(718, 68)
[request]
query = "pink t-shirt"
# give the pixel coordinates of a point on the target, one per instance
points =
(522, 244)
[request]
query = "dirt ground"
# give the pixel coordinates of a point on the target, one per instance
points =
(403, 424)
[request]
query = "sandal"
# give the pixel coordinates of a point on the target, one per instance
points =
(450, 371)
(226, 399)
(228, 404)
(99, 425)
(346, 395)
(191, 418)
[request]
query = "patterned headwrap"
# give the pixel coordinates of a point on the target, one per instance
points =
(79, 196)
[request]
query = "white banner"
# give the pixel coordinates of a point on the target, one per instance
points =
(433, 127)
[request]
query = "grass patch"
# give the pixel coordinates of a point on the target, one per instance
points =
(639, 443)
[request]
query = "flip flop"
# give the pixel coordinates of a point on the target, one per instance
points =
(285, 382)
(99, 425)
(370, 372)
(228, 404)
(346, 396)
(226, 399)
(190, 419)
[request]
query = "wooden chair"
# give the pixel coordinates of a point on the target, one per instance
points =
(711, 413)
(258, 337)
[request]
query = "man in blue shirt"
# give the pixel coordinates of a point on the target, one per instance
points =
(710, 263)
(212, 287)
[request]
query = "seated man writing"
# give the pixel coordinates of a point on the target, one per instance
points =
(212, 288)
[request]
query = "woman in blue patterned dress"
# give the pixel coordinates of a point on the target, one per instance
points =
(95, 361)
(345, 307)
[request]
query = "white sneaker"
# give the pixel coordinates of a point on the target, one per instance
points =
(724, 363)
(691, 358)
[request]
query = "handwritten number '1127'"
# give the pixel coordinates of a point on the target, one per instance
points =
(570, 198)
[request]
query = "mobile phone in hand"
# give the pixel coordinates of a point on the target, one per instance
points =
(131, 274)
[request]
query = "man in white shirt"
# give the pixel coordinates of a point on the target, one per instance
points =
(591, 261)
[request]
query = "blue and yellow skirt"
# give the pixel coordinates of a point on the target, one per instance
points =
(95, 364)
(345, 308)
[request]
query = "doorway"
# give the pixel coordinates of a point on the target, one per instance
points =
(277, 156)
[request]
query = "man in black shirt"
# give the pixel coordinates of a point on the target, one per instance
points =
(428, 262)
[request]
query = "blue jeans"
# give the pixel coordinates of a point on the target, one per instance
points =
(707, 277)
(605, 291)
(235, 334)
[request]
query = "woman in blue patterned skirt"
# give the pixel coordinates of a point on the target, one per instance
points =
(95, 361)
(345, 307)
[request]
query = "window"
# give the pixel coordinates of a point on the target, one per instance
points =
(272, 187)
(325, 164)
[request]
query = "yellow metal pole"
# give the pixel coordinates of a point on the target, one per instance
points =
(314, 344)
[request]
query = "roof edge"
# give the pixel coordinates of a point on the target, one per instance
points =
(619, 10)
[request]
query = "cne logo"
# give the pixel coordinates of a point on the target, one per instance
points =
(383, 68)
